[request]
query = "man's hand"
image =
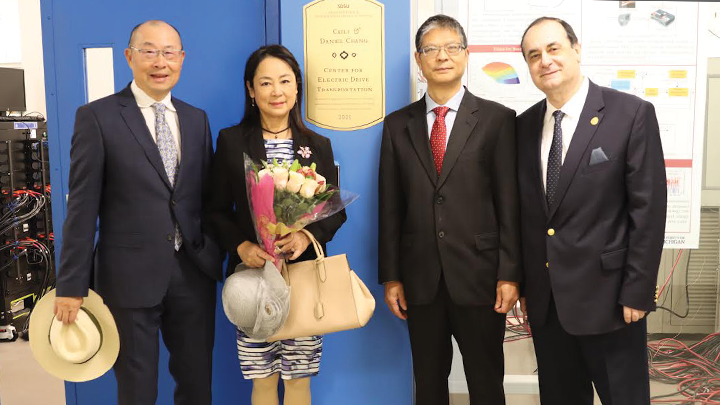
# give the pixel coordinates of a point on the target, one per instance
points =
(632, 315)
(395, 299)
(507, 294)
(66, 308)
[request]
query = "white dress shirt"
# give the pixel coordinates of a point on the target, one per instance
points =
(145, 103)
(572, 110)
(453, 104)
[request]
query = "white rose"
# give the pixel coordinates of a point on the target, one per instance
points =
(295, 182)
(280, 177)
(264, 172)
(308, 188)
(320, 179)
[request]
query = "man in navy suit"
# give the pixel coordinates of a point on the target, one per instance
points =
(139, 166)
(593, 198)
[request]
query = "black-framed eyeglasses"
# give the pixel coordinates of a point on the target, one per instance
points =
(152, 54)
(450, 49)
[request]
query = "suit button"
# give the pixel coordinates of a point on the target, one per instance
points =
(172, 202)
(551, 232)
(440, 200)
(441, 234)
(170, 237)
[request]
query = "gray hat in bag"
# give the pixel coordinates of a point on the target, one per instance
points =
(257, 301)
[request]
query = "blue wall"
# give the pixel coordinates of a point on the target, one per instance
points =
(367, 366)
(371, 365)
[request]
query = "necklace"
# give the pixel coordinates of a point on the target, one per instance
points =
(276, 133)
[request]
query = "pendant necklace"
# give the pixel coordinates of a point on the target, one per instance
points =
(276, 133)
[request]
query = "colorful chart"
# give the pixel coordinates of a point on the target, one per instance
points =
(501, 73)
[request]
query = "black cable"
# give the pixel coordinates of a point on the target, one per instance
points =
(22, 208)
(518, 331)
(687, 293)
(695, 369)
(45, 254)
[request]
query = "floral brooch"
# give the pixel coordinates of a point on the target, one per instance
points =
(305, 152)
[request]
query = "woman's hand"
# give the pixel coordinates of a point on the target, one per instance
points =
(293, 244)
(252, 255)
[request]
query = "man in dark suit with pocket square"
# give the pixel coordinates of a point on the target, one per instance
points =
(139, 168)
(593, 198)
(449, 232)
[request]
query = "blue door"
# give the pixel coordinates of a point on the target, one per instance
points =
(218, 36)
(367, 366)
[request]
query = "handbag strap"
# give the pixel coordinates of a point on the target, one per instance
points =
(320, 259)
(320, 273)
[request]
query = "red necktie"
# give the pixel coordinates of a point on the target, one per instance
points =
(438, 135)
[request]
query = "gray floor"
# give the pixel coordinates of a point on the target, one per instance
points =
(520, 359)
(23, 382)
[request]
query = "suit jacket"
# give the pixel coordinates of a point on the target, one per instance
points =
(118, 181)
(228, 210)
(599, 246)
(463, 223)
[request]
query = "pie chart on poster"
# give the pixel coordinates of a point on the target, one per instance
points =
(501, 73)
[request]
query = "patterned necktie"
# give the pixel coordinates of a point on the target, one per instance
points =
(554, 163)
(438, 135)
(168, 153)
(165, 142)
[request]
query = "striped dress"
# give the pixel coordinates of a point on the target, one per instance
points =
(292, 358)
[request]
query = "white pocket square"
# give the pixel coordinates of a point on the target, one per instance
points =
(598, 156)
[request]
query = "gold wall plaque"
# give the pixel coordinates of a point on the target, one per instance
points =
(344, 63)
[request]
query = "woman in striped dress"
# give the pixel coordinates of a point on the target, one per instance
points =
(272, 128)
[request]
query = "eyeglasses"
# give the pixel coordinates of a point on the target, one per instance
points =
(152, 54)
(450, 49)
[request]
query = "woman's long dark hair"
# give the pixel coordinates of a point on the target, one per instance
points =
(251, 118)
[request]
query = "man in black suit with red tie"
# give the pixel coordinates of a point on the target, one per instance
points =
(592, 180)
(449, 232)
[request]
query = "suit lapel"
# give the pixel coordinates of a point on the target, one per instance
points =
(136, 122)
(256, 145)
(537, 151)
(185, 137)
(580, 140)
(418, 133)
(465, 122)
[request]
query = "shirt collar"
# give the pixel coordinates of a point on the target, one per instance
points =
(453, 103)
(143, 100)
(574, 106)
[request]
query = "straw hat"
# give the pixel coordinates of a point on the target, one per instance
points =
(81, 351)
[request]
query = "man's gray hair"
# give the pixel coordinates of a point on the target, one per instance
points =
(439, 21)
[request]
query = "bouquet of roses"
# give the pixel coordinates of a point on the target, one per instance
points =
(285, 197)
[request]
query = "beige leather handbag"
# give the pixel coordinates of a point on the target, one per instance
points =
(325, 296)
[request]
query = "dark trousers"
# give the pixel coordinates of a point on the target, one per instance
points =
(615, 363)
(186, 317)
(479, 332)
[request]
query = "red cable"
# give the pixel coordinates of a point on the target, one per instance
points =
(667, 280)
